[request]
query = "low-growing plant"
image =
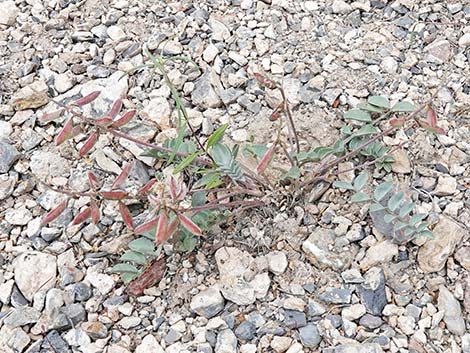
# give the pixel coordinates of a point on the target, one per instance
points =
(209, 177)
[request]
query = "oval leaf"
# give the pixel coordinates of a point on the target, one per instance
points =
(146, 227)
(379, 101)
(115, 108)
(343, 185)
(361, 181)
(123, 268)
(216, 136)
(54, 213)
(124, 173)
(142, 245)
(65, 133)
(268, 156)
(395, 201)
(134, 256)
(93, 181)
(357, 114)
(126, 215)
(406, 209)
(403, 107)
(87, 99)
(359, 197)
(123, 120)
(95, 213)
(114, 195)
(376, 207)
(82, 216)
(382, 190)
(89, 143)
(161, 232)
(185, 162)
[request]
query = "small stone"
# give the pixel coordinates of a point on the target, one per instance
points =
(220, 32)
(204, 93)
(116, 33)
(8, 156)
(389, 65)
(450, 306)
(341, 7)
(226, 342)
(207, 303)
(95, 329)
(464, 41)
(315, 309)
(245, 331)
(462, 255)
(159, 111)
(281, 344)
(64, 82)
(18, 216)
(47, 164)
(129, 322)
(353, 312)
(172, 336)
(149, 344)
(277, 262)
(446, 186)
(5, 291)
(294, 318)
(433, 255)
(56, 343)
(104, 283)
(239, 59)
(210, 53)
(379, 253)
(34, 95)
(355, 348)
(333, 295)
(77, 338)
(372, 292)
(22, 316)
(19, 339)
(34, 271)
(370, 321)
(109, 56)
(310, 336)
(9, 13)
(439, 50)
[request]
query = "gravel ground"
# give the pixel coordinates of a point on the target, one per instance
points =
(320, 280)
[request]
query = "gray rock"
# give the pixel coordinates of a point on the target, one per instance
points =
(220, 32)
(439, 50)
(47, 164)
(310, 336)
(381, 252)
(370, 321)
(7, 185)
(230, 95)
(204, 93)
(22, 316)
(277, 262)
(95, 329)
(17, 299)
(336, 295)
(56, 343)
(341, 7)
(462, 255)
(18, 216)
(129, 322)
(75, 313)
(82, 291)
(355, 348)
(294, 319)
(34, 271)
(226, 342)
(207, 303)
(466, 343)
(372, 291)
(8, 156)
(149, 344)
(464, 41)
(5, 291)
(433, 255)
(245, 331)
(450, 306)
(19, 339)
(172, 336)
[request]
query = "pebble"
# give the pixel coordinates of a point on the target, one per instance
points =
(382, 252)
(226, 342)
(372, 292)
(34, 95)
(246, 331)
(353, 312)
(309, 336)
(341, 7)
(450, 306)
(280, 344)
(336, 295)
(129, 322)
(9, 13)
(8, 155)
(464, 41)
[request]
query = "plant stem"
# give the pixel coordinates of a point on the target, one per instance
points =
(295, 137)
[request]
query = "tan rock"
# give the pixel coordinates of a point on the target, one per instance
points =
(433, 255)
(31, 96)
(402, 162)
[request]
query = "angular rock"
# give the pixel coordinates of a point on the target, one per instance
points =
(208, 302)
(22, 316)
(309, 336)
(34, 271)
(433, 255)
(462, 255)
(372, 291)
(439, 50)
(47, 164)
(149, 344)
(333, 295)
(381, 252)
(355, 348)
(9, 13)
(446, 186)
(450, 306)
(159, 111)
(226, 342)
(34, 95)
(402, 163)
(277, 262)
(204, 93)
(8, 156)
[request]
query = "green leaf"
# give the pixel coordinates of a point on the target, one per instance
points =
(379, 101)
(134, 256)
(188, 243)
(185, 162)
(403, 107)
(198, 199)
(409, 231)
(256, 150)
(214, 181)
(216, 136)
(343, 185)
(388, 168)
(370, 108)
(376, 207)
(221, 154)
(427, 233)
(346, 130)
(367, 129)
(359, 197)
(422, 226)
(417, 218)
(382, 190)
(293, 173)
(399, 226)
(388, 218)
(395, 201)
(122, 268)
(361, 181)
(142, 245)
(338, 147)
(406, 209)
(357, 114)
(128, 277)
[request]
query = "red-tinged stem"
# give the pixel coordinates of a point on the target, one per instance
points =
(291, 120)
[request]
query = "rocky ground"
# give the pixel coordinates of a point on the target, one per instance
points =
(319, 280)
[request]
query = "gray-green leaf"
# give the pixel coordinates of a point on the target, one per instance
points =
(382, 190)
(379, 101)
(389, 218)
(134, 256)
(406, 209)
(142, 245)
(361, 181)
(359, 197)
(376, 207)
(343, 185)
(357, 114)
(395, 201)
(399, 225)
(221, 154)
(128, 277)
(403, 107)
(122, 268)
(416, 218)
(216, 136)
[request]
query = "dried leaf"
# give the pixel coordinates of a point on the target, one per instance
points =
(123, 120)
(189, 224)
(65, 133)
(126, 215)
(95, 212)
(276, 114)
(121, 177)
(87, 99)
(161, 233)
(146, 227)
(147, 186)
(93, 181)
(148, 278)
(115, 108)
(89, 143)
(114, 195)
(263, 164)
(397, 122)
(82, 216)
(54, 213)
